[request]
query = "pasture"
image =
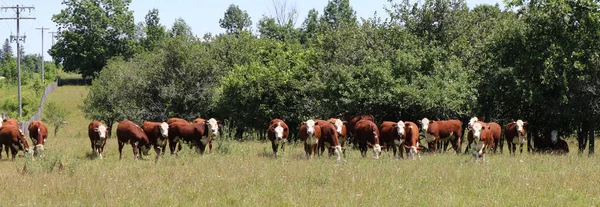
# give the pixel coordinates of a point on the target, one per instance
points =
(246, 174)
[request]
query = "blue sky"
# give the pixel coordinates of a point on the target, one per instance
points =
(202, 15)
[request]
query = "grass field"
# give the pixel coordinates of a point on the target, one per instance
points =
(246, 174)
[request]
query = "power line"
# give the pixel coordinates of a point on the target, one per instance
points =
(42, 29)
(18, 9)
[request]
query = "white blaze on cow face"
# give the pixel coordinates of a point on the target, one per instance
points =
(101, 130)
(554, 136)
(472, 121)
(400, 128)
(310, 130)
(214, 127)
(338, 125)
(477, 127)
(425, 124)
(279, 131)
(164, 129)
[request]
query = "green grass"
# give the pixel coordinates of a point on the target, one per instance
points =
(246, 174)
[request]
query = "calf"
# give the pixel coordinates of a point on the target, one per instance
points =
(193, 133)
(393, 136)
(97, 133)
(440, 131)
(514, 134)
(554, 145)
(309, 133)
(278, 133)
(482, 137)
(129, 132)
(158, 136)
(411, 139)
(340, 127)
(13, 138)
(367, 134)
(38, 132)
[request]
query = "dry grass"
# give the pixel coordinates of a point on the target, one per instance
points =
(246, 174)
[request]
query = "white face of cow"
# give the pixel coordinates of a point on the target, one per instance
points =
(279, 131)
(400, 128)
(164, 129)
(477, 127)
(101, 130)
(338, 125)
(554, 136)
(472, 121)
(213, 126)
(310, 127)
(520, 128)
(425, 124)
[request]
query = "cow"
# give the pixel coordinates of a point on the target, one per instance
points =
(129, 132)
(158, 135)
(98, 133)
(38, 132)
(340, 127)
(329, 139)
(199, 120)
(411, 139)
(392, 136)
(215, 127)
(496, 134)
(554, 145)
(482, 137)
(440, 131)
(175, 119)
(514, 134)
(351, 127)
(309, 133)
(194, 133)
(11, 137)
(367, 134)
(278, 133)
(11, 122)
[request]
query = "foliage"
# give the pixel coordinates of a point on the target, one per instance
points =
(235, 20)
(55, 115)
(92, 32)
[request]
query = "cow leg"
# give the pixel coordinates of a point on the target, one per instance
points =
(315, 149)
(521, 148)
(210, 146)
(136, 150)
(307, 151)
(13, 152)
(157, 150)
(394, 150)
(275, 147)
(435, 145)
(457, 144)
(121, 144)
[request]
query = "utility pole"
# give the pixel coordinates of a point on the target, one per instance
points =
(18, 9)
(53, 36)
(42, 28)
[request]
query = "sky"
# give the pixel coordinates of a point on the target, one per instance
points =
(201, 15)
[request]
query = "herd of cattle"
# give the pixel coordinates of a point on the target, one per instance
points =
(316, 135)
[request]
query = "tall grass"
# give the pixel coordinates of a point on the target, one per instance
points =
(246, 174)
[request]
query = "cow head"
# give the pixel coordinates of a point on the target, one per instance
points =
(521, 127)
(101, 130)
(554, 136)
(400, 128)
(164, 129)
(23, 145)
(278, 131)
(213, 127)
(472, 121)
(310, 127)
(424, 124)
(477, 127)
(338, 125)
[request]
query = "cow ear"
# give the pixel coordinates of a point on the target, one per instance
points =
(302, 123)
(395, 124)
(419, 121)
(316, 123)
(407, 125)
(345, 122)
(525, 123)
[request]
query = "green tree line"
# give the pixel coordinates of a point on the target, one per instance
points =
(536, 60)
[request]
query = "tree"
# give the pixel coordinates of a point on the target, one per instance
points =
(92, 32)
(310, 26)
(338, 13)
(55, 115)
(6, 51)
(155, 32)
(284, 14)
(181, 29)
(235, 20)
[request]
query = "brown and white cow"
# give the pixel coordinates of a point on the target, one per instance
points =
(11, 137)
(278, 133)
(411, 139)
(340, 127)
(393, 136)
(329, 139)
(158, 135)
(310, 133)
(351, 127)
(38, 132)
(98, 134)
(482, 137)
(129, 132)
(440, 131)
(554, 145)
(515, 133)
(192, 133)
(367, 134)
(9, 122)
(496, 133)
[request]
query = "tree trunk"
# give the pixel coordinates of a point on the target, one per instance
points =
(109, 124)
(591, 138)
